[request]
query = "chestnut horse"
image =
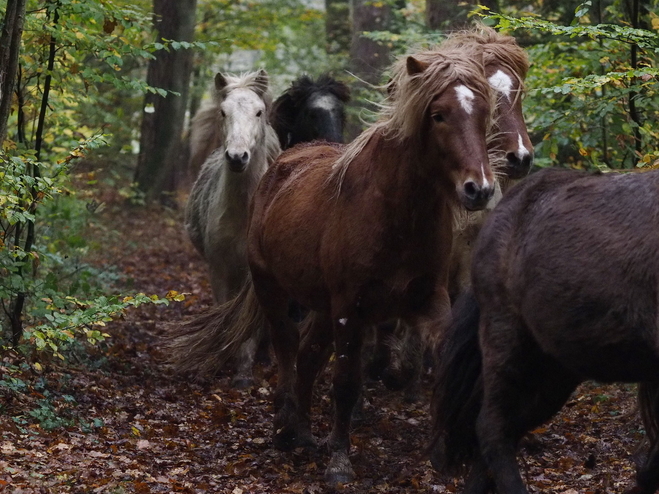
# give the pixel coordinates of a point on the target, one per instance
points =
(398, 353)
(359, 234)
(564, 290)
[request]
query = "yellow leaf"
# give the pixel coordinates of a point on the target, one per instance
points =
(136, 432)
(37, 366)
(655, 23)
(79, 35)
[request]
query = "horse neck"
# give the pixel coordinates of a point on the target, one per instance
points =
(238, 188)
(406, 170)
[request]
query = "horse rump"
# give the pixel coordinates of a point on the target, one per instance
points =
(458, 389)
(205, 344)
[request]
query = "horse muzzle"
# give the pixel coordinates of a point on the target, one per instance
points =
(237, 161)
(475, 197)
(516, 166)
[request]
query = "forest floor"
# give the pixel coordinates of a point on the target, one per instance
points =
(118, 421)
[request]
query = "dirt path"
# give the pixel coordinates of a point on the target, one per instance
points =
(130, 426)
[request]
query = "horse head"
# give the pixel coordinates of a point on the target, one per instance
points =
(510, 134)
(311, 110)
(506, 65)
(455, 99)
(243, 104)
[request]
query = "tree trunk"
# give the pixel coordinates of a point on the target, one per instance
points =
(10, 43)
(367, 57)
(162, 118)
(337, 26)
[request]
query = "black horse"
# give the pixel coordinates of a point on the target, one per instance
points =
(565, 288)
(309, 110)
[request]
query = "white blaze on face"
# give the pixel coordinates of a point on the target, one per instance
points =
(502, 83)
(486, 183)
(324, 102)
(521, 151)
(466, 98)
(242, 127)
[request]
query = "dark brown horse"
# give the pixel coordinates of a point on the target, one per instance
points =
(359, 234)
(565, 281)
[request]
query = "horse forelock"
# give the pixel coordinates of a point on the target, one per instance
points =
(415, 93)
(304, 87)
(498, 49)
(247, 80)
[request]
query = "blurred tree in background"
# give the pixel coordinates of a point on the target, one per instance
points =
(110, 80)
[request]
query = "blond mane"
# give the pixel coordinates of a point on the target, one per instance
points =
(400, 116)
(497, 49)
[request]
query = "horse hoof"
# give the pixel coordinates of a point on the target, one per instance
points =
(412, 396)
(242, 382)
(285, 439)
(339, 470)
(437, 457)
(307, 443)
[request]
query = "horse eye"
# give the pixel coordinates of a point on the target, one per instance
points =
(259, 113)
(438, 118)
(222, 113)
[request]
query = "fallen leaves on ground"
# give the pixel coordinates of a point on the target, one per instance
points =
(149, 431)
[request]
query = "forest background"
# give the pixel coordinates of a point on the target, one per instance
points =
(97, 94)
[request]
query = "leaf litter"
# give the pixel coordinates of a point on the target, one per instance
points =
(155, 432)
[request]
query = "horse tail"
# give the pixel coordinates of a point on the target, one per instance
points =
(206, 343)
(458, 389)
(648, 401)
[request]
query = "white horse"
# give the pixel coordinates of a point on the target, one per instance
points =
(239, 144)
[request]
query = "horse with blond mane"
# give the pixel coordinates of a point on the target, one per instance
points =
(359, 234)
(217, 211)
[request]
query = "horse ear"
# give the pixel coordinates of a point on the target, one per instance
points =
(220, 82)
(261, 81)
(415, 66)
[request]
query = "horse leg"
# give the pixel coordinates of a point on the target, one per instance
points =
(479, 480)
(522, 389)
(347, 382)
(285, 340)
(647, 476)
(244, 358)
(414, 354)
(381, 356)
(244, 377)
(315, 351)
(219, 282)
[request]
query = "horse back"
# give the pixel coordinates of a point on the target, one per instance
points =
(289, 212)
(574, 258)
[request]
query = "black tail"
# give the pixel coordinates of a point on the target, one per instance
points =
(457, 395)
(648, 402)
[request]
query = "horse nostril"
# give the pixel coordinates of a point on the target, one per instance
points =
(471, 189)
(245, 157)
(513, 159)
(527, 161)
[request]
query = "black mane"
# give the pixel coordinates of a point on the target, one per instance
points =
(288, 111)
